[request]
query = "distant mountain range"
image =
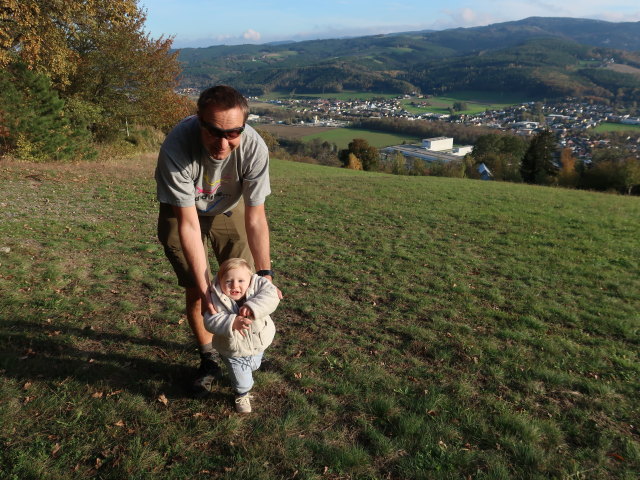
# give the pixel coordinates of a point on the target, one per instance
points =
(537, 56)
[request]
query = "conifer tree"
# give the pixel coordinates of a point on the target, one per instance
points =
(35, 121)
(537, 164)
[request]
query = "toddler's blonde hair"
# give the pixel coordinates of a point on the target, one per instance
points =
(232, 264)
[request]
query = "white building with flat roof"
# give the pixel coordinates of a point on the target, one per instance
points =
(462, 151)
(438, 149)
(438, 144)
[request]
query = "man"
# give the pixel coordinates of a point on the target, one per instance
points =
(212, 181)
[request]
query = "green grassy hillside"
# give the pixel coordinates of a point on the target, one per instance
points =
(431, 328)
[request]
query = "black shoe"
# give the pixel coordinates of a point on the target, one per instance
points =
(208, 372)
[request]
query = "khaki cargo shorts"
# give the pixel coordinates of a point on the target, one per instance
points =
(226, 234)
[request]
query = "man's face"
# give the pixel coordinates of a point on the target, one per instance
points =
(214, 141)
(235, 282)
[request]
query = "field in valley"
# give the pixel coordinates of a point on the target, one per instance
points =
(617, 127)
(340, 136)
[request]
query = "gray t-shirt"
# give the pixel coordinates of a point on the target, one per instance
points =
(186, 175)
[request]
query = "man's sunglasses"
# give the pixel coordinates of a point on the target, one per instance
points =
(214, 131)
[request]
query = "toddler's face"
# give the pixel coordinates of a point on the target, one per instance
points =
(235, 282)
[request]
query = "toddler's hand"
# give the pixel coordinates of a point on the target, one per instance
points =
(241, 324)
(245, 312)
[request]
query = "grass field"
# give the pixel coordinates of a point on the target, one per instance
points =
(606, 127)
(342, 136)
(297, 132)
(476, 102)
(432, 328)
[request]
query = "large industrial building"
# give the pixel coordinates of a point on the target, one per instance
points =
(438, 149)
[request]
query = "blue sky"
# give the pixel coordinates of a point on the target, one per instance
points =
(200, 23)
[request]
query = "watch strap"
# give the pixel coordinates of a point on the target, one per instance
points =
(262, 273)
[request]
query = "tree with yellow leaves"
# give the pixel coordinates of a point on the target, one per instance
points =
(106, 69)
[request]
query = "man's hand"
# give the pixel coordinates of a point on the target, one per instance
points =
(268, 277)
(206, 303)
(241, 324)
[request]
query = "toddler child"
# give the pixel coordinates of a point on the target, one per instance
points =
(242, 327)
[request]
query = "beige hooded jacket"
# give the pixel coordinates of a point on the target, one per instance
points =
(262, 299)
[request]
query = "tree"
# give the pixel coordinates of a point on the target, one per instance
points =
(46, 34)
(537, 164)
(353, 162)
(612, 170)
(130, 76)
(98, 57)
(501, 153)
(368, 155)
(36, 122)
(323, 151)
(460, 106)
(269, 139)
(568, 176)
(398, 164)
(418, 167)
(631, 174)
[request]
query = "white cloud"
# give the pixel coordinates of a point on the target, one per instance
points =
(252, 35)
(464, 17)
(620, 17)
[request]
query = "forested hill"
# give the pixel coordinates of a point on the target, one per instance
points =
(539, 56)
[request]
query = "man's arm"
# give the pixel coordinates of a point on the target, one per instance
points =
(255, 221)
(193, 249)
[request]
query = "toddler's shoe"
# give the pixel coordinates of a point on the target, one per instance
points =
(243, 403)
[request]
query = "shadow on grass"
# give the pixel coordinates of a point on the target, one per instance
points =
(105, 360)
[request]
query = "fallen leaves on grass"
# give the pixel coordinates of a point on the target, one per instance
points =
(56, 448)
(99, 394)
(28, 354)
(204, 415)
(619, 458)
(163, 399)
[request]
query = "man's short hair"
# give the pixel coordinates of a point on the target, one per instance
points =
(223, 97)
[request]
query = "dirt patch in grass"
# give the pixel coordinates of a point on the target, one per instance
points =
(64, 172)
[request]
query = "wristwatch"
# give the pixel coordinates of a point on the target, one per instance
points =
(262, 273)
